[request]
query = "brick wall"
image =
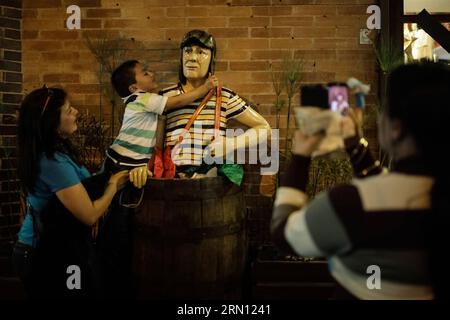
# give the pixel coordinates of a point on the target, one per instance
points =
(10, 97)
(251, 35)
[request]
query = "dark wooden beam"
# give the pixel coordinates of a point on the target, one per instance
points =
(434, 28)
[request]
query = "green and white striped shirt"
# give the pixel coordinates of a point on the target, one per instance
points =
(137, 136)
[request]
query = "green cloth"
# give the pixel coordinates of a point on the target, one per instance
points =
(233, 172)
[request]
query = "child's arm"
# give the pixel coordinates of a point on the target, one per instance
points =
(188, 97)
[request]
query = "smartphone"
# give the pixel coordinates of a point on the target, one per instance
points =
(333, 96)
(338, 97)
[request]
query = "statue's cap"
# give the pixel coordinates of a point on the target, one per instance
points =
(199, 37)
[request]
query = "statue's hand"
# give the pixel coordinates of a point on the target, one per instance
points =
(138, 176)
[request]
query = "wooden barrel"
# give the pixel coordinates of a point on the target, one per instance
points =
(189, 239)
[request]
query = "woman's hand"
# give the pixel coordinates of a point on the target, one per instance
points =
(304, 145)
(119, 179)
(138, 176)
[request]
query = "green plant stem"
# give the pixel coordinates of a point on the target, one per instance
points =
(286, 146)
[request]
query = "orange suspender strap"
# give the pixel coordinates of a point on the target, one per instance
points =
(218, 109)
(195, 115)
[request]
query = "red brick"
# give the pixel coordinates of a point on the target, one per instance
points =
(176, 12)
(42, 24)
(207, 2)
(292, 21)
(271, 32)
(91, 24)
(253, 44)
(262, 77)
(343, 32)
(233, 77)
(359, 10)
(221, 66)
(54, 35)
(249, 66)
(291, 43)
(251, 2)
(315, 10)
(124, 23)
(228, 11)
(314, 32)
(315, 54)
(206, 22)
(302, 2)
(82, 88)
(325, 43)
(229, 32)
(100, 34)
(269, 54)
(272, 11)
(249, 22)
(233, 54)
(321, 77)
(356, 55)
(60, 56)
(30, 34)
(148, 12)
(175, 34)
(41, 45)
(83, 3)
(41, 3)
(103, 13)
(163, 3)
(61, 77)
(29, 13)
(339, 21)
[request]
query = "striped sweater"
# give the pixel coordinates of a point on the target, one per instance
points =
(377, 221)
(137, 136)
(201, 132)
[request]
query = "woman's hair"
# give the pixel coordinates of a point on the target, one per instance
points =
(419, 96)
(39, 119)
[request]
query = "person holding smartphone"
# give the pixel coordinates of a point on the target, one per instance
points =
(393, 222)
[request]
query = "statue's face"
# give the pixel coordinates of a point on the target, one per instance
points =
(196, 62)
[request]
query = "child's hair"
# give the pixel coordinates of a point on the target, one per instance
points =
(123, 77)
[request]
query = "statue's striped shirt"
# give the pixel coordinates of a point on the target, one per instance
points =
(201, 131)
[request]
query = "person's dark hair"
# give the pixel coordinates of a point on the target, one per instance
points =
(37, 133)
(419, 96)
(202, 39)
(123, 77)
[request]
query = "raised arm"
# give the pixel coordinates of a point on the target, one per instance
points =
(191, 96)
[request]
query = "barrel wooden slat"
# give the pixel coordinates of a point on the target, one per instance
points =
(189, 238)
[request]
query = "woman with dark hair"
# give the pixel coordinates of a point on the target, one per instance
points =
(383, 236)
(56, 231)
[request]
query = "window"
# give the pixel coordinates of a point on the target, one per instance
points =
(418, 45)
(412, 7)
